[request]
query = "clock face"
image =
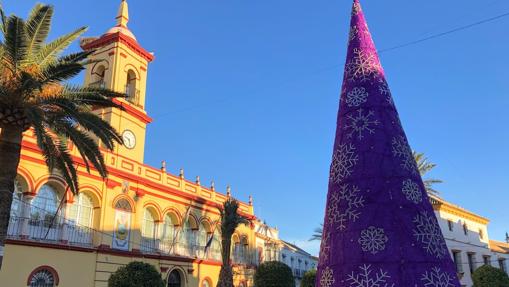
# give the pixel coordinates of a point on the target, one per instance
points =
(129, 139)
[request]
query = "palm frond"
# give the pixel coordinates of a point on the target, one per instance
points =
(60, 71)
(38, 27)
(3, 19)
(97, 97)
(55, 152)
(424, 166)
(49, 52)
(87, 146)
(317, 233)
(100, 128)
(15, 42)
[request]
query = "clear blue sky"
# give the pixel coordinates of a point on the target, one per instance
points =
(246, 93)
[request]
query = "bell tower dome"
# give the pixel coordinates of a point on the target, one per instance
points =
(120, 63)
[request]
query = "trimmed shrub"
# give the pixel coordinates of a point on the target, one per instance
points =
(274, 273)
(488, 276)
(136, 274)
(308, 280)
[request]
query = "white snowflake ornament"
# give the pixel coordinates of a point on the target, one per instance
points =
(437, 278)
(412, 191)
(327, 278)
(401, 150)
(363, 66)
(373, 240)
(343, 162)
(427, 232)
(356, 97)
(360, 124)
(366, 277)
(344, 206)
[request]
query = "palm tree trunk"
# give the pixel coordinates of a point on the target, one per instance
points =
(226, 273)
(10, 149)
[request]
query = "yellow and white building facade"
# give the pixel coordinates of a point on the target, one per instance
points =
(139, 213)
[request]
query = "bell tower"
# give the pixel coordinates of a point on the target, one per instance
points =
(120, 63)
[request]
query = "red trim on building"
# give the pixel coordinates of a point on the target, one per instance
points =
(134, 112)
(48, 245)
(121, 38)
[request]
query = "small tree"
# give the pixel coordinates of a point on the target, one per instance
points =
(230, 220)
(308, 280)
(274, 273)
(136, 274)
(488, 276)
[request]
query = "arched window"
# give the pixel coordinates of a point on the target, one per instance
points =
(123, 204)
(45, 204)
(174, 279)
(98, 76)
(206, 283)
(43, 276)
(190, 230)
(130, 87)
(17, 199)
(216, 245)
(148, 227)
(81, 210)
(168, 229)
(203, 234)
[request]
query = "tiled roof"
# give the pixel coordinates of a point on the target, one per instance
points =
(500, 247)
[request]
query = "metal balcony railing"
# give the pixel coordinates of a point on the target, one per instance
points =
(132, 95)
(43, 230)
(98, 84)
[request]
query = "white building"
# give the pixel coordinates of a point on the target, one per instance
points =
(466, 235)
(271, 248)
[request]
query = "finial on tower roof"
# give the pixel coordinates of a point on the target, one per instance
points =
(123, 14)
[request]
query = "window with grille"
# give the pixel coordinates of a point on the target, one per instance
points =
(42, 278)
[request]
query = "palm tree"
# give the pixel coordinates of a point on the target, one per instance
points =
(424, 167)
(33, 94)
(230, 220)
(317, 233)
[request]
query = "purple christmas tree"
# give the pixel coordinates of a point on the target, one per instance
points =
(379, 229)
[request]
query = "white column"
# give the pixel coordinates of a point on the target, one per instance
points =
(24, 231)
(65, 232)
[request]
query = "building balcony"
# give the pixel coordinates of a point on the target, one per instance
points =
(49, 231)
(98, 84)
(182, 249)
(133, 95)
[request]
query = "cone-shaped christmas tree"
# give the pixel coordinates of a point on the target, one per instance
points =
(379, 229)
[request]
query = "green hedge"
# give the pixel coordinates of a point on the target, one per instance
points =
(308, 280)
(272, 274)
(136, 274)
(487, 276)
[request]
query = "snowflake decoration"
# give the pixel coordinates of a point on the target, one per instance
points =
(373, 240)
(363, 65)
(367, 278)
(356, 8)
(361, 123)
(324, 247)
(327, 278)
(354, 32)
(401, 149)
(412, 191)
(347, 195)
(343, 161)
(384, 90)
(356, 97)
(437, 278)
(428, 233)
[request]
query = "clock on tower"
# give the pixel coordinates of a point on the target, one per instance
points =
(120, 63)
